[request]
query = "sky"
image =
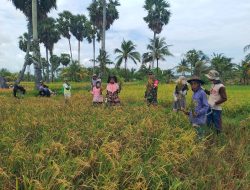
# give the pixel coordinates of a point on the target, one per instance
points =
(213, 26)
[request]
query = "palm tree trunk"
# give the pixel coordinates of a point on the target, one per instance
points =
(104, 25)
(36, 51)
(47, 68)
(153, 61)
(157, 61)
(94, 54)
(79, 46)
(126, 74)
(70, 50)
(26, 59)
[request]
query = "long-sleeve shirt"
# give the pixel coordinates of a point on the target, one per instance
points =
(201, 106)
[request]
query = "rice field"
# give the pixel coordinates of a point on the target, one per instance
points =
(46, 144)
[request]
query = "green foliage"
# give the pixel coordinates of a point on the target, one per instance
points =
(96, 13)
(197, 61)
(158, 50)
(158, 14)
(127, 52)
(74, 72)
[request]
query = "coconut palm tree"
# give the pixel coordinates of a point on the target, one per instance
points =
(25, 6)
(48, 35)
(103, 60)
(222, 64)
(80, 28)
(193, 58)
(158, 50)
(64, 23)
(246, 48)
(75, 72)
(183, 67)
(158, 16)
(126, 52)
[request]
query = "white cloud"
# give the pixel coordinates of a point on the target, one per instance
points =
(211, 26)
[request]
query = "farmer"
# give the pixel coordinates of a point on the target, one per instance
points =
(199, 106)
(113, 90)
(44, 90)
(94, 79)
(66, 90)
(180, 93)
(217, 96)
(97, 94)
(18, 89)
(151, 89)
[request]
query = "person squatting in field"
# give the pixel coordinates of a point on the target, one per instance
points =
(17, 89)
(97, 93)
(66, 91)
(113, 90)
(151, 90)
(44, 90)
(199, 106)
(180, 93)
(217, 96)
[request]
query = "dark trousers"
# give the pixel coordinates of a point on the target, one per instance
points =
(214, 119)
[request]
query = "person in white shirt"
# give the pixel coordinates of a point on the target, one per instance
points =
(66, 90)
(217, 96)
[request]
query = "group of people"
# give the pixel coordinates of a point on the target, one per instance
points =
(112, 91)
(202, 111)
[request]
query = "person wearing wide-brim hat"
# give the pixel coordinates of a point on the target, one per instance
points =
(217, 96)
(180, 93)
(199, 105)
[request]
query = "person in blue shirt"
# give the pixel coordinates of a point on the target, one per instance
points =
(199, 106)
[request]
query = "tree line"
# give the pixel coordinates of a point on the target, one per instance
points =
(42, 29)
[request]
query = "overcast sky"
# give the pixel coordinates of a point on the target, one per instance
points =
(220, 26)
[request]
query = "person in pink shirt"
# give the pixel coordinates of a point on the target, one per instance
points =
(113, 90)
(97, 93)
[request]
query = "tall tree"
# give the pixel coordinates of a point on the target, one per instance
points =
(98, 10)
(48, 35)
(65, 59)
(75, 72)
(222, 64)
(25, 46)
(36, 50)
(44, 7)
(158, 16)
(94, 35)
(126, 52)
(103, 59)
(64, 23)
(80, 28)
(196, 60)
(246, 48)
(55, 63)
(183, 67)
(158, 50)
